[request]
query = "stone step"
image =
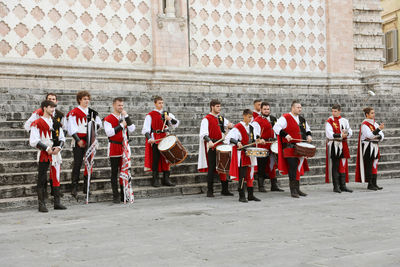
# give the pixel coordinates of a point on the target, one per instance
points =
(143, 192)
(317, 167)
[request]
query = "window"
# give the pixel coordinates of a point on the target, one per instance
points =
(391, 46)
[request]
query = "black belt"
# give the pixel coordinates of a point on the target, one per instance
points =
(288, 145)
(115, 142)
(161, 131)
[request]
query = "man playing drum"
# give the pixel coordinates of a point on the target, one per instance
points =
(212, 133)
(116, 125)
(291, 128)
(242, 166)
(155, 128)
(337, 130)
(266, 166)
(368, 153)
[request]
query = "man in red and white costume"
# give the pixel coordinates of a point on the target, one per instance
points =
(290, 129)
(266, 167)
(337, 130)
(212, 131)
(257, 108)
(155, 127)
(114, 125)
(368, 153)
(58, 125)
(41, 137)
(77, 128)
(242, 166)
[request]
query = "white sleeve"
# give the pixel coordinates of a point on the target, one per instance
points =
(349, 130)
(307, 127)
(31, 119)
(328, 130)
(98, 122)
(226, 122)
(72, 127)
(61, 136)
(64, 123)
(380, 132)
(235, 134)
(256, 128)
(366, 132)
(34, 137)
(147, 125)
(131, 128)
(173, 125)
(280, 124)
(109, 129)
(203, 128)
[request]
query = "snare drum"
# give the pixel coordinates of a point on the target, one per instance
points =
(223, 158)
(256, 152)
(172, 149)
(305, 149)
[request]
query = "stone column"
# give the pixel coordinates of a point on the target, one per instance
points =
(339, 33)
(170, 8)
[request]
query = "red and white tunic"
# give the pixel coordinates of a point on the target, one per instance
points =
(210, 126)
(36, 115)
(290, 124)
(336, 126)
(77, 121)
(116, 139)
(153, 122)
(41, 132)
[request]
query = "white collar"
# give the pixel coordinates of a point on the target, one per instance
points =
(370, 121)
(85, 110)
(159, 111)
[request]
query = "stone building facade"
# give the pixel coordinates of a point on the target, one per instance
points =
(146, 38)
(391, 27)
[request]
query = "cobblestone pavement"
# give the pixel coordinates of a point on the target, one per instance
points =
(322, 229)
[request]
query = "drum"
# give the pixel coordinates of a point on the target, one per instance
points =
(172, 149)
(305, 149)
(223, 158)
(256, 152)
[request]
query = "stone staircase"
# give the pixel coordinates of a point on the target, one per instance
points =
(18, 167)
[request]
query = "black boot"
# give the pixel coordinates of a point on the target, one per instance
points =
(74, 189)
(302, 194)
(42, 200)
(251, 197)
(261, 187)
(343, 187)
(274, 185)
(210, 186)
(335, 182)
(371, 185)
(225, 191)
(121, 193)
(293, 189)
(155, 181)
(114, 187)
(374, 178)
(57, 196)
(51, 188)
(242, 196)
(166, 181)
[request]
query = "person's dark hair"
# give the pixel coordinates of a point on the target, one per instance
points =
(157, 98)
(119, 99)
(53, 94)
(247, 112)
(264, 104)
(367, 110)
(257, 100)
(337, 107)
(82, 94)
(295, 102)
(47, 103)
(214, 102)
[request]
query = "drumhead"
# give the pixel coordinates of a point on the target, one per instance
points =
(274, 147)
(256, 149)
(224, 148)
(167, 142)
(302, 144)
